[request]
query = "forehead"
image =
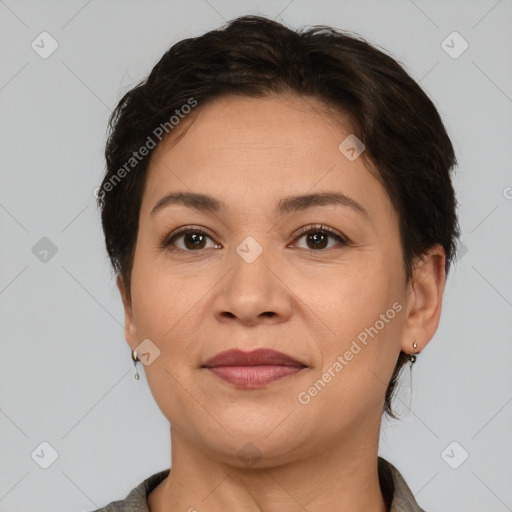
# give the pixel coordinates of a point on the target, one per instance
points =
(256, 147)
(232, 123)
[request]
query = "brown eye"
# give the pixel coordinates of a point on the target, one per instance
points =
(317, 238)
(194, 240)
(188, 240)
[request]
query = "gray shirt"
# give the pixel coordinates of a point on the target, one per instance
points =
(396, 492)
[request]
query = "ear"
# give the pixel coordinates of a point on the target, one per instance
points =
(130, 329)
(424, 300)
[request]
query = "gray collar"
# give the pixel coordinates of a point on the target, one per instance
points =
(394, 488)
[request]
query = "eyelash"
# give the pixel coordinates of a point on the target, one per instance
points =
(167, 240)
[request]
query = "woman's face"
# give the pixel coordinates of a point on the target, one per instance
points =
(246, 278)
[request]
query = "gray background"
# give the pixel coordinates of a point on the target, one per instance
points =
(66, 375)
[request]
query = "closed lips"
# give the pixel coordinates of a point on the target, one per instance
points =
(259, 357)
(253, 370)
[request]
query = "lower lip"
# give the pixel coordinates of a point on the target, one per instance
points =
(254, 376)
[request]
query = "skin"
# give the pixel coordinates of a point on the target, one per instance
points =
(309, 303)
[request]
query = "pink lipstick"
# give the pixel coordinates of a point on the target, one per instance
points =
(253, 369)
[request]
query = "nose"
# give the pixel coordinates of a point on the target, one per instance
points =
(253, 293)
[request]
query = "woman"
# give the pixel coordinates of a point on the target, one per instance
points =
(279, 212)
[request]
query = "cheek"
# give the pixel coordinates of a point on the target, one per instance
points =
(352, 297)
(165, 308)
(164, 300)
(364, 312)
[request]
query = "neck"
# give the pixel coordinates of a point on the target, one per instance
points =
(340, 474)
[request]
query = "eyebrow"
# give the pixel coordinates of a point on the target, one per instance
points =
(203, 202)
